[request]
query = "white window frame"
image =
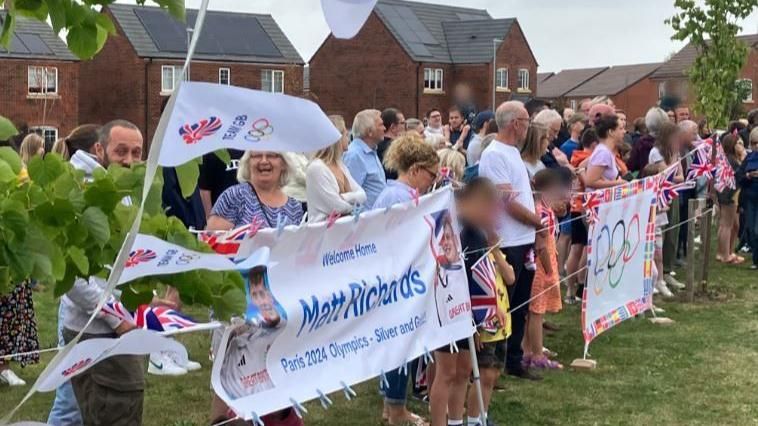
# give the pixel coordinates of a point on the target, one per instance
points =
(228, 76)
(501, 79)
(41, 130)
(661, 89)
(572, 104)
(176, 73)
(44, 89)
(523, 80)
(434, 80)
(272, 79)
(749, 98)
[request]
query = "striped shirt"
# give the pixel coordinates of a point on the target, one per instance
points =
(239, 204)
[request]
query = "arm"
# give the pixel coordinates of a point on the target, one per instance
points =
(85, 294)
(356, 195)
(322, 191)
(218, 223)
(205, 197)
(505, 270)
(561, 158)
(355, 167)
(540, 246)
(594, 178)
(223, 213)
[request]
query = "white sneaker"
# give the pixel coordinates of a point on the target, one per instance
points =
(655, 290)
(163, 365)
(697, 240)
(9, 377)
(673, 282)
(664, 291)
(658, 310)
(189, 366)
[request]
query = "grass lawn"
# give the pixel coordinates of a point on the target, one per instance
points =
(701, 370)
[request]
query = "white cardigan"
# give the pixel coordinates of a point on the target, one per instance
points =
(323, 194)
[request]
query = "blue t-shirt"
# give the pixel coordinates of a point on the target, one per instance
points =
(239, 205)
(569, 146)
(395, 192)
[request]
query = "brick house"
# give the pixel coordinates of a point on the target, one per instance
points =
(246, 50)
(411, 55)
(628, 86)
(671, 78)
(553, 88)
(40, 81)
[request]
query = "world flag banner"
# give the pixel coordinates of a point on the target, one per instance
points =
(620, 256)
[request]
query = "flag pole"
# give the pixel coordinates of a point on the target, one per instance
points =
(477, 380)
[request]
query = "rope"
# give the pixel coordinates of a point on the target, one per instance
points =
(227, 421)
(545, 290)
(703, 213)
(39, 351)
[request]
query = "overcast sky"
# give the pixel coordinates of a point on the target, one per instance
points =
(562, 33)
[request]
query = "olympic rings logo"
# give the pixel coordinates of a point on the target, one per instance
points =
(186, 259)
(260, 129)
(614, 248)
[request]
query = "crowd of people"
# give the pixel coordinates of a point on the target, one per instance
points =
(513, 171)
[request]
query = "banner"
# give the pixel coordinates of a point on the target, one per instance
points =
(619, 255)
(344, 303)
(208, 117)
(87, 353)
(346, 17)
(153, 256)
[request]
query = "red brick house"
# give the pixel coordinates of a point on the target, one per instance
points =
(554, 87)
(672, 80)
(628, 86)
(410, 55)
(147, 53)
(39, 80)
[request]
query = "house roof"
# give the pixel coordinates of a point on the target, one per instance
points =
(542, 76)
(419, 29)
(471, 42)
(565, 81)
(613, 80)
(678, 64)
(35, 40)
(226, 36)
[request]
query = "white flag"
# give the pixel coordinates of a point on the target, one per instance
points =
(208, 117)
(153, 256)
(346, 17)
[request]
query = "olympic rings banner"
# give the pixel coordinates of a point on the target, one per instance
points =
(344, 303)
(619, 255)
(208, 117)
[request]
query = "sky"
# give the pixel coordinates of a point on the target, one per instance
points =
(563, 34)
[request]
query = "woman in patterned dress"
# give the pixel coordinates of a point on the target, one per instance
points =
(18, 332)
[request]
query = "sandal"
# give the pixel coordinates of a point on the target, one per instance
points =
(546, 364)
(413, 420)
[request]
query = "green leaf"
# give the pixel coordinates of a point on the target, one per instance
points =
(7, 129)
(31, 8)
(44, 170)
(97, 225)
(79, 258)
(138, 293)
(10, 156)
(232, 302)
(104, 194)
(187, 175)
(5, 280)
(223, 155)
(175, 8)
(6, 173)
(57, 9)
(14, 220)
(83, 40)
(58, 213)
(104, 22)
(9, 25)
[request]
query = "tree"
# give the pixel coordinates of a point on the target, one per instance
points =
(712, 29)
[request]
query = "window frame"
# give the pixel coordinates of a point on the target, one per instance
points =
(40, 130)
(273, 73)
(435, 81)
(228, 76)
(498, 80)
(164, 90)
(662, 89)
(522, 87)
(44, 90)
(749, 99)
(572, 104)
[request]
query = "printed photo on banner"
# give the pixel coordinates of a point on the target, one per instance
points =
(245, 350)
(450, 292)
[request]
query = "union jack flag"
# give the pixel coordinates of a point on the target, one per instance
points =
(667, 190)
(484, 293)
(547, 216)
(140, 256)
(724, 178)
(228, 243)
(592, 205)
(701, 164)
(193, 133)
(157, 318)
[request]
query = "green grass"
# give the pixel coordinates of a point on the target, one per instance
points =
(699, 371)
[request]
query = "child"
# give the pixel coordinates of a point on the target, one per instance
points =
(661, 220)
(546, 291)
(477, 208)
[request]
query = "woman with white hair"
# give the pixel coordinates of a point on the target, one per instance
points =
(258, 196)
(330, 187)
(552, 121)
(640, 155)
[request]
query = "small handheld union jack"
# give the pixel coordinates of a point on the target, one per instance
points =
(157, 318)
(667, 190)
(548, 219)
(484, 293)
(228, 243)
(701, 165)
(193, 133)
(592, 205)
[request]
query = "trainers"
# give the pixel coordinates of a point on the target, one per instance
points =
(673, 282)
(189, 366)
(655, 290)
(663, 290)
(658, 310)
(9, 377)
(162, 365)
(523, 373)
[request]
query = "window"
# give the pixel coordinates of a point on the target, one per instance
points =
(573, 104)
(50, 134)
(523, 79)
(748, 84)
(272, 81)
(170, 74)
(42, 80)
(433, 79)
(661, 89)
(224, 76)
(501, 78)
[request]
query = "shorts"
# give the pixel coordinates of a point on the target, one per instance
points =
(492, 355)
(461, 344)
(578, 230)
(564, 225)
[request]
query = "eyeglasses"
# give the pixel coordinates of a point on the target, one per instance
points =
(431, 173)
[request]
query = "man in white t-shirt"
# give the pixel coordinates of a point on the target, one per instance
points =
(501, 163)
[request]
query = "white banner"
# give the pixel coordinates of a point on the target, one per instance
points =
(89, 352)
(153, 256)
(208, 117)
(619, 256)
(345, 303)
(346, 17)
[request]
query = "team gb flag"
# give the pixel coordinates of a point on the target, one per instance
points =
(208, 117)
(346, 17)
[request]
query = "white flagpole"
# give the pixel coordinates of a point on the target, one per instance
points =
(477, 381)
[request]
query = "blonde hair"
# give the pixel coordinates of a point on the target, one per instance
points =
(453, 160)
(61, 148)
(30, 146)
(410, 150)
(332, 154)
(244, 174)
(532, 150)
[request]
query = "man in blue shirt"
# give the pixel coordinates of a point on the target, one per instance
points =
(361, 158)
(575, 126)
